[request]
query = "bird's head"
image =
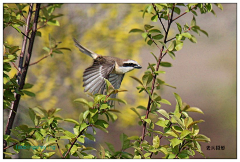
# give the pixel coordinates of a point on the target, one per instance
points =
(128, 65)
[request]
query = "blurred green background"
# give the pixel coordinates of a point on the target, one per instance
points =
(204, 73)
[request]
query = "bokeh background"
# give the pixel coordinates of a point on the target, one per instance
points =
(204, 73)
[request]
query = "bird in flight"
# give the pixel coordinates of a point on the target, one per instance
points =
(105, 67)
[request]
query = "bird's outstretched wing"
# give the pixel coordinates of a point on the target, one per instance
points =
(93, 77)
(115, 80)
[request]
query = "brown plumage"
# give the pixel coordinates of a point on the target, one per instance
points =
(105, 67)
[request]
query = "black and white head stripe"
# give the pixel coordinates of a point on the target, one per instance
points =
(131, 63)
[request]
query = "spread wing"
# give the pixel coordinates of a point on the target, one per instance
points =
(115, 80)
(93, 77)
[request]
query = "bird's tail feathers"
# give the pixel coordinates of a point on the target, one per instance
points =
(85, 50)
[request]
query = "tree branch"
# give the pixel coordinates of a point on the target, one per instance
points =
(68, 151)
(155, 76)
(23, 68)
(42, 58)
(184, 13)
(154, 7)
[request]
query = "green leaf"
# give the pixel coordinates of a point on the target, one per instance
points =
(53, 22)
(104, 106)
(110, 147)
(178, 100)
(45, 12)
(135, 78)
(195, 122)
(203, 31)
(187, 35)
(31, 94)
(194, 109)
(165, 101)
(101, 123)
(134, 138)
(156, 141)
(69, 134)
(154, 31)
(82, 101)
(184, 133)
(27, 86)
(125, 141)
(40, 111)
(89, 136)
(150, 42)
(83, 126)
(161, 123)
(171, 46)
(147, 27)
(179, 27)
(144, 35)
(158, 37)
(46, 49)
(193, 39)
(81, 139)
(99, 127)
(219, 5)
(118, 100)
(174, 142)
(147, 120)
(49, 143)
(154, 18)
(71, 121)
(177, 10)
(180, 123)
(179, 46)
(136, 31)
(193, 22)
(134, 110)
(85, 114)
(98, 98)
(163, 112)
(166, 64)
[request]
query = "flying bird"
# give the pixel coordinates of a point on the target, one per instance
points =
(105, 67)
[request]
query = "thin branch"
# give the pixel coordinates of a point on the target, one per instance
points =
(19, 141)
(16, 67)
(159, 18)
(154, 42)
(155, 76)
(21, 77)
(25, 35)
(20, 67)
(184, 13)
(41, 58)
(68, 151)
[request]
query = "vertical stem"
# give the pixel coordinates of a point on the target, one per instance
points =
(23, 67)
(155, 76)
(20, 69)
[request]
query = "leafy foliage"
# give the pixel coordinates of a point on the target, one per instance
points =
(47, 138)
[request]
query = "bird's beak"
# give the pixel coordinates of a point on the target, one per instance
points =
(137, 67)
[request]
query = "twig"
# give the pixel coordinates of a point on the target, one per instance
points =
(184, 13)
(16, 67)
(41, 58)
(74, 143)
(159, 18)
(20, 141)
(154, 42)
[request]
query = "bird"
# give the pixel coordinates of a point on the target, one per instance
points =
(104, 67)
